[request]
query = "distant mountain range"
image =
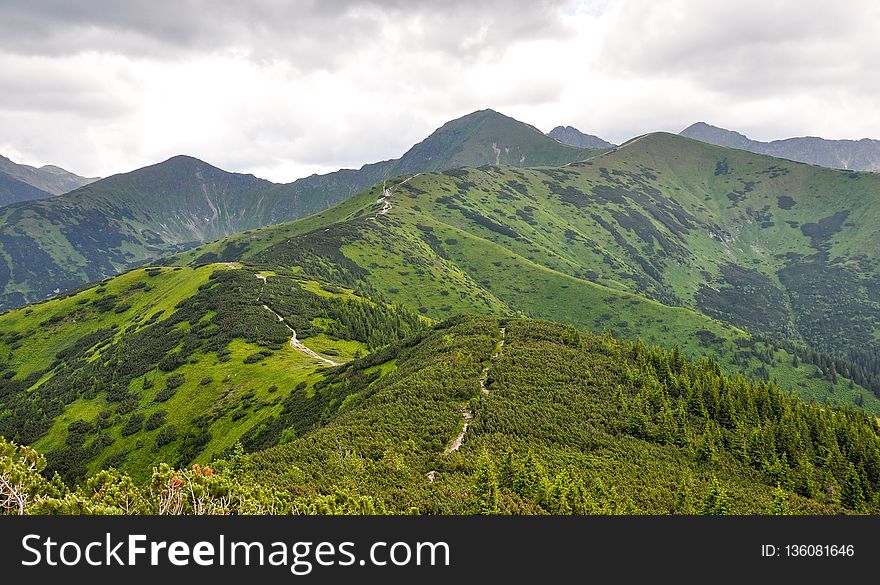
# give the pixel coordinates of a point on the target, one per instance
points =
(574, 137)
(59, 243)
(20, 182)
(854, 155)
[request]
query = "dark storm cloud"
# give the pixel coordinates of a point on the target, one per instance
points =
(316, 31)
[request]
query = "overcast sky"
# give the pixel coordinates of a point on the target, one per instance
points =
(283, 89)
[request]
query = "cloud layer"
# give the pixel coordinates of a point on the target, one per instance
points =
(284, 89)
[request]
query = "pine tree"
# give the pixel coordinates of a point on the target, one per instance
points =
(805, 480)
(485, 486)
(557, 498)
(851, 494)
(683, 503)
(666, 423)
(639, 422)
(682, 426)
(530, 480)
(706, 449)
(779, 507)
(717, 503)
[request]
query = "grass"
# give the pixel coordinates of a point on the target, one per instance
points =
(78, 316)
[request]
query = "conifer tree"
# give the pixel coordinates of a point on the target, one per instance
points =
(851, 494)
(706, 449)
(683, 502)
(530, 479)
(557, 498)
(485, 486)
(717, 502)
(779, 507)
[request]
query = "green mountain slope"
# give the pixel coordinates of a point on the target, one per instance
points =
(487, 415)
(170, 363)
(485, 137)
(256, 339)
(563, 422)
(56, 245)
(13, 190)
(61, 243)
(724, 253)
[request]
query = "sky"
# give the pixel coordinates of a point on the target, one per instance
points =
(284, 89)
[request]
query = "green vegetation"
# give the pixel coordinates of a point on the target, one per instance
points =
(60, 244)
(664, 239)
(571, 423)
(303, 363)
(191, 365)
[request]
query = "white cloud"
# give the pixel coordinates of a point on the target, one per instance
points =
(286, 89)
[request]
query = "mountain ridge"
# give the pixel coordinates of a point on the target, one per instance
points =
(51, 179)
(856, 155)
(687, 225)
(574, 137)
(129, 218)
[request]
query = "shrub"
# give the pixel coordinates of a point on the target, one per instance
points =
(156, 420)
(166, 435)
(134, 424)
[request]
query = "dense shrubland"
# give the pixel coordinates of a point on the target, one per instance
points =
(573, 424)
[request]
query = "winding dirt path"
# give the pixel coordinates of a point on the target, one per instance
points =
(467, 414)
(295, 343)
(385, 199)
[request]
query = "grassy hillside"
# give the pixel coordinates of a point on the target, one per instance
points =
(485, 415)
(646, 241)
(165, 364)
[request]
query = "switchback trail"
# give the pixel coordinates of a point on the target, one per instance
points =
(294, 342)
(484, 376)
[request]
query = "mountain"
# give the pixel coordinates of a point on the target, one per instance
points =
(393, 351)
(574, 137)
(56, 244)
(481, 138)
(12, 190)
(855, 155)
(474, 415)
(664, 238)
(108, 226)
(25, 183)
(49, 178)
(748, 240)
